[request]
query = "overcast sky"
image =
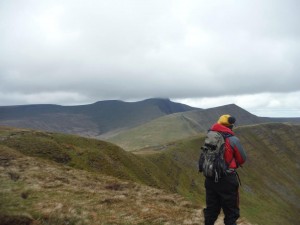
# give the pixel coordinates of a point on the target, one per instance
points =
(204, 53)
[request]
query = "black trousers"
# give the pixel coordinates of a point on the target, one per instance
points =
(222, 195)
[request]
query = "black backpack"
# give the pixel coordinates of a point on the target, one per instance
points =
(211, 161)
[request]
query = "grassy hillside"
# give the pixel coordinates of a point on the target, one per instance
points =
(178, 126)
(157, 132)
(39, 192)
(38, 187)
(90, 155)
(270, 178)
(182, 125)
(272, 175)
(83, 153)
(270, 191)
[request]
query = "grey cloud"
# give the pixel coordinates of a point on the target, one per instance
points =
(81, 50)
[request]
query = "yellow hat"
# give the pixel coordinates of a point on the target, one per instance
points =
(226, 120)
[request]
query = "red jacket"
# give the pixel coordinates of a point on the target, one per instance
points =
(234, 153)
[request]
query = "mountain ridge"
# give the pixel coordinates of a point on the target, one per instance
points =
(182, 125)
(110, 119)
(91, 120)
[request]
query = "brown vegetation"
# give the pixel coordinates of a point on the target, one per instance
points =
(37, 191)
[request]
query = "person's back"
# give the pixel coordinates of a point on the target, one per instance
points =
(222, 193)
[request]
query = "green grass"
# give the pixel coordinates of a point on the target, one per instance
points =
(270, 192)
(178, 126)
(270, 178)
(156, 132)
(54, 194)
(86, 154)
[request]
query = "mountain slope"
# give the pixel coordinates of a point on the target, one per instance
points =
(100, 118)
(83, 153)
(40, 192)
(270, 179)
(38, 186)
(270, 191)
(179, 125)
(185, 124)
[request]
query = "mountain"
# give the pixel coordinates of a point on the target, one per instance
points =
(100, 119)
(62, 177)
(185, 124)
(35, 191)
(56, 179)
(132, 125)
(106, 119)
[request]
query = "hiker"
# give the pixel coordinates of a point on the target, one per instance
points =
(222, 187)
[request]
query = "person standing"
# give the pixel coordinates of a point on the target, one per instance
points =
(222, 192)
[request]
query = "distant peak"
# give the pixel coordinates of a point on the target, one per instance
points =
(232, 105)
(107, 101)
(157, 99)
